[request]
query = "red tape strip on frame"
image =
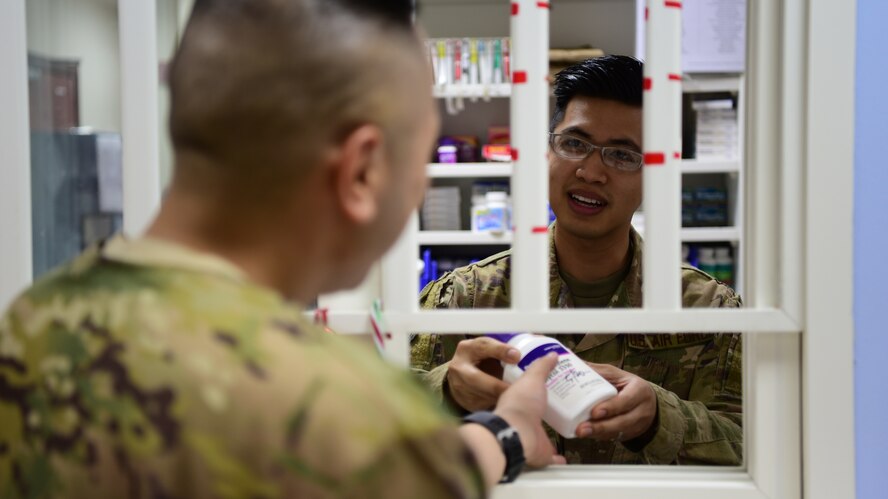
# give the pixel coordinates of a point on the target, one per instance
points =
(654, 158)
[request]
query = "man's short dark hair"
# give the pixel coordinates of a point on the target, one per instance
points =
(612, 77)
(397, 12)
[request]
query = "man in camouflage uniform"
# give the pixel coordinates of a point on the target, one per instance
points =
(179, 364)
(680, 397)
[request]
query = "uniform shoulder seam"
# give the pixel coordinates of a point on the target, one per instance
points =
(689, 272)
(492, 259)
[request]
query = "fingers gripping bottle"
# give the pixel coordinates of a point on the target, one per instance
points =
(573, 387)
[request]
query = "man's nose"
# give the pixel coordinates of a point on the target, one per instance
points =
(592, 169)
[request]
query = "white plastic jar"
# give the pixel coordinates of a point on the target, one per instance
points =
(497, 209)
(573, 387)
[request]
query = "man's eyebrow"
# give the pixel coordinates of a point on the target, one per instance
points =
(628, 143)
(618, 142)
(577, 131)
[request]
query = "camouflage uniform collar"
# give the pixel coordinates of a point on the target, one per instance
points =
(150, 252)
(627, 295)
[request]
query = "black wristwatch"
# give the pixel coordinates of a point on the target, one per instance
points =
(508, 439)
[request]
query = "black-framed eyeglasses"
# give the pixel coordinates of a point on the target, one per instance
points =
(575, 148)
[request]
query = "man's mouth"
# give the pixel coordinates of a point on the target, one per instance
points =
(587, 202)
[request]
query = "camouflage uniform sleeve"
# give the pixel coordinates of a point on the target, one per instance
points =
(425, 456)
(98, 400)
(430, 354)
(707, 428)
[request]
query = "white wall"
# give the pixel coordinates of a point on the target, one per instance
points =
(870, 246)
(86, 31)
(605, 24)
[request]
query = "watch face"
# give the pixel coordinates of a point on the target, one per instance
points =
(507, 433)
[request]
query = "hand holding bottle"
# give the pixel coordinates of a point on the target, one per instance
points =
(523, 404)
(474, 375)
(626, 416)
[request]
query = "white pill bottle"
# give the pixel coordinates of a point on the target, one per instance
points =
(573, 387)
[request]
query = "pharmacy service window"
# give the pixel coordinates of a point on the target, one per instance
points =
(793, 101)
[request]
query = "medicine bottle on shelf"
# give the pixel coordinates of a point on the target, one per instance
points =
(706, 261)
(573, 387)
(724, 266)
(498, 211)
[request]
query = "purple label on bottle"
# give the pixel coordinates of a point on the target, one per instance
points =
(541, 351)
(503, 337)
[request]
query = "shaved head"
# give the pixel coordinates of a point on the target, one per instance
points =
(259, 87)
(301, 131)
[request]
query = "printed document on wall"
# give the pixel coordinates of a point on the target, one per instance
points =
(713, 35)
(714, 38)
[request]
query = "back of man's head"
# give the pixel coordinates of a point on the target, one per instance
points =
(258, 87)
(612, 77)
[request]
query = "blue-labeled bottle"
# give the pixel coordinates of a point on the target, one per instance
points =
(573, 387)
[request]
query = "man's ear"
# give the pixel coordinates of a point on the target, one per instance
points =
(359, 173)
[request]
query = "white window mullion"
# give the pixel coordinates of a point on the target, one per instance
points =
(399, 289)
(16, 264)
(139, 95)
(662, 152)
(772, 437)
(792, 231)
(617, 320)
(763, 154)
(828, 367)
(529, 110)
(772, 378)
(633, 482)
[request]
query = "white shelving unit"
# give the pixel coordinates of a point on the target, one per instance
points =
(462, 238)
(466, 237)
(469, 170)
(710, 234)
(469, 109)
(477, 91)
(477, 170)
(710, 166)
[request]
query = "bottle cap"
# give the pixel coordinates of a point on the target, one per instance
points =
(503, 337)
(496, 196)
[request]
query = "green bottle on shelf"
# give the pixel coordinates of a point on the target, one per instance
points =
(706, 261)
(724, 266)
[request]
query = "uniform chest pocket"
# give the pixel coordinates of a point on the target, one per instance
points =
(671, 368)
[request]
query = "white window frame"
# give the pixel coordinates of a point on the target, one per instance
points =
(16, 261)
(139, 80)
(797, 320)
(800, 115)
(139, 119)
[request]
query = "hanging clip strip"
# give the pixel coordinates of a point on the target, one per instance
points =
(320, 318)
(380, 330)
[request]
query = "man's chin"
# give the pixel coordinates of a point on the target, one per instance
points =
(586, 229)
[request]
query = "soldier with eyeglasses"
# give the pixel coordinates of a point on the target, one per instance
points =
(680, 395)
